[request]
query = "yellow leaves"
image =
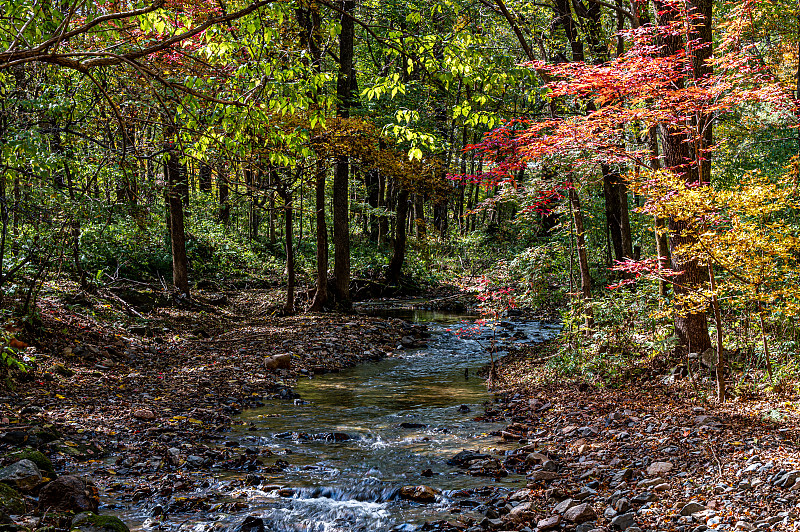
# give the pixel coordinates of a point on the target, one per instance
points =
(746, 231)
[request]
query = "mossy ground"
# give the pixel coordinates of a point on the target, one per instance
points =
(11, 502)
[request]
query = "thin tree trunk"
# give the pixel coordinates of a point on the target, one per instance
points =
(718, 321)
(321, 294)
(399, 251)
(383, 221)
(180, 264)
(583, 257)
(290, 267)
(222, 186)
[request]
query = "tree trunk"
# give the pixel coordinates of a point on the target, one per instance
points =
(383, 221)
(341, 174)
(583, 257)
(288, 308)
(690, 327)
(371, 183)
(180, 263)
(205, 177)
(399, 251)
(222, 186)
(419, 217)
(321, 294)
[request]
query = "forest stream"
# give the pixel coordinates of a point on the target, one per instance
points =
(343, 450)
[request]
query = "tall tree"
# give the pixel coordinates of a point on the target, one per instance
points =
(691, 325)
(341, 170)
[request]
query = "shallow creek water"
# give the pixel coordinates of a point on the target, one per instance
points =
(403, 415)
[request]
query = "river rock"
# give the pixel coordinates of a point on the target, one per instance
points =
(145, 414)
(465, 457)
(11, 502)
(70, 494)
(580, 513)
(252, 523)
(691, 508)
(22, 475)
(14, 437)
(564, 505)
(535, 458)
(659, 468)
(419, 493)
(332, 437)
(522, 513)
(644, 497)
(282, 361)
(42, 462)
(624, 521)
(91, 522)
(549, 523)
(544, 476)
(407, 341)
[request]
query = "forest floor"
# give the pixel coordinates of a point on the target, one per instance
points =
(646, 454)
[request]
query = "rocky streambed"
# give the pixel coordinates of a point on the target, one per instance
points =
(411, 441)
(363, 449)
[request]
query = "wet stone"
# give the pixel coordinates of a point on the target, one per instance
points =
(252, 524)
(419, 493)
(22, 475)
(91, 522)
(70, 493)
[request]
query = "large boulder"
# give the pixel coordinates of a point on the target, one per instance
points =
(11, 502)
(22, 475)
(91, 522)
(70, 493)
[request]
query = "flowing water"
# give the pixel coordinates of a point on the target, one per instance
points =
(357, 436)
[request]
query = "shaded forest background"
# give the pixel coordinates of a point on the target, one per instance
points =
(630, 163)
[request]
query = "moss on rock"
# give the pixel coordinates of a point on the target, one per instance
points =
(91, 522)
(42, 462)
(11, 502)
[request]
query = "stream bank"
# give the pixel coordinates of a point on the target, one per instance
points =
(146, 416)
(101, 393)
